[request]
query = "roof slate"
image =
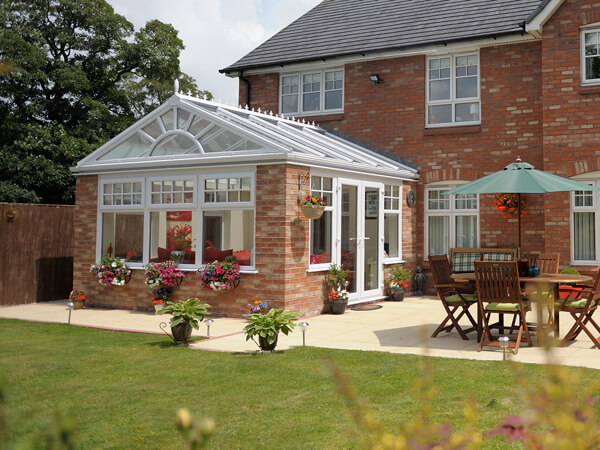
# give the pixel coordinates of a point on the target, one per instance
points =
(347, 27)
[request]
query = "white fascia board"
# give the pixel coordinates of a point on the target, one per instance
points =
(453, 47)
(536, 24)
(127, 132)
(236, 128)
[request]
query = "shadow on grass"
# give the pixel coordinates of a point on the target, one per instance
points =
(167, 341)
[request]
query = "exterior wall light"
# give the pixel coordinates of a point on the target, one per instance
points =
(303, 326)
(208, 323)
(375, 78)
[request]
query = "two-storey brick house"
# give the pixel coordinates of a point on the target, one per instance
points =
(459, 89)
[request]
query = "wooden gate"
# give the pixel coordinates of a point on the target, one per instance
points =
(36, 252)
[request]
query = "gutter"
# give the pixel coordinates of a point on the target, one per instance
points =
(245, 80)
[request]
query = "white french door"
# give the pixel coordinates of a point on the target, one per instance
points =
(361, 237)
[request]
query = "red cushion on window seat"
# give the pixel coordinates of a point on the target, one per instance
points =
(243, 257)
(190, 257)
(212, 254)
(163, 254)
(320, 258)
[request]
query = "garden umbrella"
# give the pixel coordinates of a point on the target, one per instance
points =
(520, 178)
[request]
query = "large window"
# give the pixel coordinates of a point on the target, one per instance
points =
(191, 219)
(450, 221)
(590, 56)
(392, 219)
(584, 225)
(321, 229)
(453, 90)
(312, 92)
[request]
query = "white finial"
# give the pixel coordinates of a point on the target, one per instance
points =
(270, 113)
(253, 109)
(303, 121)
(246, 107)
(239, 106)
(313, 124)
(293, 119)
(258, 110)
(176, 86)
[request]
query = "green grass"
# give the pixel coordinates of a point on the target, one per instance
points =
(124, 389)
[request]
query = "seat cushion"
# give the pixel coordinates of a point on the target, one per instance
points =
(463, 262)
(575, 303)
(507, 307)
(456, 299)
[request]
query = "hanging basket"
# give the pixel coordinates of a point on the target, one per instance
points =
(312, 212)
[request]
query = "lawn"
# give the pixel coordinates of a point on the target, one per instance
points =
(124, 390)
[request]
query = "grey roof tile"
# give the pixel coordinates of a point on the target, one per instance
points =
(347, 27)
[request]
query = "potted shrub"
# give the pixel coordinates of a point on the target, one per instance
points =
(338, 297)
(78, 297)
(397, 281)
(161, 295)
(268, 326)
(111, 271)
(186, 315)
(221, 275)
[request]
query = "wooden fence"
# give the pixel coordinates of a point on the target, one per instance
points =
(36, 252)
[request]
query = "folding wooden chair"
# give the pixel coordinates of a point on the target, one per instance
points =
(499, 291)
(455, 297)
(582, 309)
(547, 262)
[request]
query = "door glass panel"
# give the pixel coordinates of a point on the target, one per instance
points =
(438, 234)
(349, 234)
(371, 240)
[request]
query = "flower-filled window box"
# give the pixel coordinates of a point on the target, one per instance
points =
(220, 275)
(111, 271)
(163, 274)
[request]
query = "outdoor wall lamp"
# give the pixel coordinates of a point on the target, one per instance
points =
(303, 326)
(375, 78)
(504, 345)
(208, 323)
(70, 305)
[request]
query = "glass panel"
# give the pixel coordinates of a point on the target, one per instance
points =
(172, 236)
(437, 200)
(467, 112)
(133, 147)
(465, 201)
(167, 119)
(311, 101)
(349, 233)
(592, 67)
(220, 142)
(466, 231)
(584, 198)
(438, 235)
(315, 183)
(228, 233)
(440, 114)
(154, 129)
(175, 145)
(439, 90)
(199, 124)
(182, 117)
(333, 100)
(466, 87)
(584, 236)
(122, 235)
(391, 235)
(320, 239)
(289, 104)
(371, 241)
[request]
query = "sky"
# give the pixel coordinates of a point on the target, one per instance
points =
(216, 33)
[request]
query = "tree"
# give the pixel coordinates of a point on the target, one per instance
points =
(73, 74)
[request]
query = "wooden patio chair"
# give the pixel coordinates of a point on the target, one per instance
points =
(582, 309)
(455, 297)
(499, 292)
(547, 262)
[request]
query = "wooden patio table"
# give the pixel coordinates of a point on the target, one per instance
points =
(554, 280)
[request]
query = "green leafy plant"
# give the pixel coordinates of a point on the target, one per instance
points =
(398, 276)
(571, 271)
(269, 325)
(336, 277)
(189, 310)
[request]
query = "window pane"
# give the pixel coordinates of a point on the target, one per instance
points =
(289, 104)
(391, 235)
(182, 117)
(438, 201)
(466, 231)
(176, 145)
(584, 236)
(198, 125)
(592, 67)
(220, 142)
(466, 87)
(133, 147)
(467, 112)
(167, 119)
(584, 198)
(228, 233)
(438, 235)
(172, 236)
(439, 90)
(310, 102)
(465, 201)
(333, 99)
(154, 129)
(123, 234)
(320, 239)
(440, 114)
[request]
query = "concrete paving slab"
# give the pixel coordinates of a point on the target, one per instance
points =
(397, 327)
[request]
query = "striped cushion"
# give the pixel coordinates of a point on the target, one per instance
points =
(497, 257)
(456, 299)
(463, 262)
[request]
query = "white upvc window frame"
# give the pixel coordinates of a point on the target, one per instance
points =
(452, 212)
(588, 29)
(398, 212)
(224, 205)
(595, 208)
(300, 74)
(453, 100)
(329, 207)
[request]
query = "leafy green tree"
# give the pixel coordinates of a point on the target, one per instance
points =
(73, 74)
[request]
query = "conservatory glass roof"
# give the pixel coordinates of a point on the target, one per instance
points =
(186, 131)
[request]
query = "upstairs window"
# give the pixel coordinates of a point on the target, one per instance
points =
(453, 90)
(312, 92)
(590, 56)
(584, 225)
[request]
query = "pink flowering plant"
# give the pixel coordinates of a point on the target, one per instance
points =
(220, 275)
(258, 306)
(111, 271)
(166, 274)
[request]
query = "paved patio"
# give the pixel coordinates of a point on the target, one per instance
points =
(397, 327)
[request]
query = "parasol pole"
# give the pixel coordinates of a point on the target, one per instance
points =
(519, 212)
